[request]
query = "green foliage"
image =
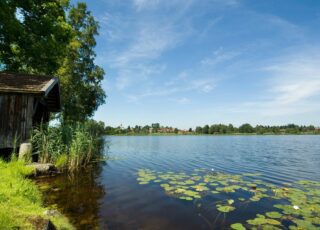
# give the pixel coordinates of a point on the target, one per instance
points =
(61, 161)
(33, 35)
(38, 37)
(68, 145)
(20, 199)
(80, 78)
(48, 142)
(246, 128)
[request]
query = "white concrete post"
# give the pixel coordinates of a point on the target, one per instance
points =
(25, 151)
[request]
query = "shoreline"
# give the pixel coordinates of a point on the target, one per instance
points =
(228, 134)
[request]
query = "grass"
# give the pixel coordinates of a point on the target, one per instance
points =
(20, 199)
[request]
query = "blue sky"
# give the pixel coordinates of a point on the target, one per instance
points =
(185, 63)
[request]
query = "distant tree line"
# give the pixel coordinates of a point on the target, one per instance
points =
(215, 129)
(258, 129)
(140, 130)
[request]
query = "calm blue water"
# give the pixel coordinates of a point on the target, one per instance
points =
(109, 197)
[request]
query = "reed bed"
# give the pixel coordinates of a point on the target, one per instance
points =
(68, 146)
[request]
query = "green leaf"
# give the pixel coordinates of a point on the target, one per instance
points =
(275, 215)
(225, 208)
(237, 226)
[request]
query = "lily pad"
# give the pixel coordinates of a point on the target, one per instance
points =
(225, 208)
(237, 226)
(274, 215)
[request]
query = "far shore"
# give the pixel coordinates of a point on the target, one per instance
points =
(220, 134)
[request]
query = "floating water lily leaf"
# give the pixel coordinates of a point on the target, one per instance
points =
(230, 201)
(275, 215)
(260, 220)
(214, 184)
(269, 227)
(303, 224)
(189, 182)
(299, 202)
(144, 182)
(225, 208)
(200, 188)
(165, 185)
(237, 226)
(255, 198)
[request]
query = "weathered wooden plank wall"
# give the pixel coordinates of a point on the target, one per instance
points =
(15, 119)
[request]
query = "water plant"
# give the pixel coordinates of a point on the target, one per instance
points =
(70, 146)
(297, 205)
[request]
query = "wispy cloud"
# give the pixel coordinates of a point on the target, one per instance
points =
(227, 2)
(150, 43)
(131, 74)
(141, 4)
(183, 101)
(155, 4)
(293, 87)
(185, 85)
(219, 56)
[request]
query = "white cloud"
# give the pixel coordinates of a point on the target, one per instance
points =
(156, 4)
(181, 4)
(132, 74)
(183, 101)
(141, 4)
(294, 85)
(203, 85)
(149, 44)
(219, 56)
(133, 59)
(227, 2)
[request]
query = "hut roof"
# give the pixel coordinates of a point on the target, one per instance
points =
(38, 85)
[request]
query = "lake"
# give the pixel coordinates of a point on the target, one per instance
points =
(136, 188)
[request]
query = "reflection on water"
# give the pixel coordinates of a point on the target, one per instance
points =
(108, 196)
(77, 196)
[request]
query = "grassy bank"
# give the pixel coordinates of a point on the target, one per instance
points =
(20, 200)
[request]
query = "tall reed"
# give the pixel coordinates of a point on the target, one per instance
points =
(67, 145)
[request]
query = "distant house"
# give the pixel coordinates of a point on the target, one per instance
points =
(25, 101)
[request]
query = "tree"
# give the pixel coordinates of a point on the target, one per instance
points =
(80, 77)
(33, 35)
(212, 129)
(37, 37)
(205, 129)
(198, 129)
(230, 128)
(246, 128)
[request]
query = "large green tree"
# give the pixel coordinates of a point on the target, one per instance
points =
(33, 35)
(50, 37)
(80, 76)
